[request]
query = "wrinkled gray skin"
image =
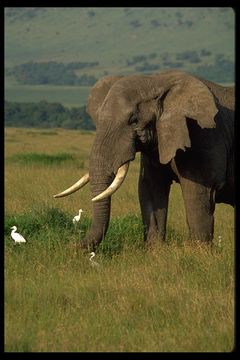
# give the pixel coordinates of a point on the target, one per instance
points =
(184, 128)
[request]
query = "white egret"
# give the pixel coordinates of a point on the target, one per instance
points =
(219, 241)
(77, 217)
(18, 238)
(93, 263)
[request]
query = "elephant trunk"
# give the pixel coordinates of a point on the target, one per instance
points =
(100, 220)
(100, 178)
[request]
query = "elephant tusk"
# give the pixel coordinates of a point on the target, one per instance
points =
(117, 182)
(78, 185)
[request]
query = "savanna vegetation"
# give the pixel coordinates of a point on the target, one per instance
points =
(46, 115)
(177, 296)
(51, 72)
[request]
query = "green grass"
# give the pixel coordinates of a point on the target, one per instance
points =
(173, 297)
(42, 158)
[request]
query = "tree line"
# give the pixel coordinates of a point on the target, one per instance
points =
(52, 72)
(218, 68)
(46, 115)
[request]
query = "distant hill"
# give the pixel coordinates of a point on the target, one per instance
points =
(123, 40)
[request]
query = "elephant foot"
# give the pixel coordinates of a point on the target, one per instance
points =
(154, 239)
(86, 246)
(201, 237)
(82, 247)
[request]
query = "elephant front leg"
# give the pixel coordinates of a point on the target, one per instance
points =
(200, 205)
(150, 228)
(153, 198)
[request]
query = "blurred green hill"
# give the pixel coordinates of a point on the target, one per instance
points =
(124, 40)
(53, 55)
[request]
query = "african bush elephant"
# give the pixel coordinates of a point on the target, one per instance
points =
(184, 128)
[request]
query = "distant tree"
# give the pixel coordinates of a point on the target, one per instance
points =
(155, 23)
(152, 56)
(147, 67)
(191, 56)
(221, 71)
(46, 115)
(51, 73)
(86, 80)
(91, 13)
(135, 23)
(205, 52)
(136, 59)
(179, 14)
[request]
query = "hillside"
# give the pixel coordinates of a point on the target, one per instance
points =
(123, 40)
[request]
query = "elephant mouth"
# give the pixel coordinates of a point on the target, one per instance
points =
(115, 185)
(143, 143)
(146, 139)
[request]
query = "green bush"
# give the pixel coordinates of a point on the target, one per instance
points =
(42, 158)
(46, 115)
(51, 72)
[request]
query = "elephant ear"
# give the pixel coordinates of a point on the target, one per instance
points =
(98, 94)
(189, 98)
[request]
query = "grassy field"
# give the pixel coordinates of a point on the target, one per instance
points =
(178, 296)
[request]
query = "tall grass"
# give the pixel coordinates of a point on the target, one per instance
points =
(176, 296)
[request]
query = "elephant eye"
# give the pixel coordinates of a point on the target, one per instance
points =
(133, 119)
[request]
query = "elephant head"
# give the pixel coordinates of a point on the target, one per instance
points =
(138, 113)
